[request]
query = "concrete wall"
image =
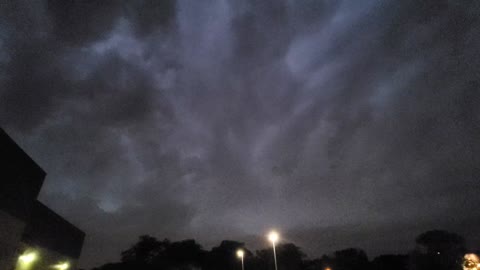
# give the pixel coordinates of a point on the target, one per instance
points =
(49, 230)
(11, 230)
(25, 223)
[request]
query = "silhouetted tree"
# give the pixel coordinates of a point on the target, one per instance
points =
(145, 251)
(350, 259)
(439, 250)
(318, 264)
(435, 250)
(149, 253)
(224, 256)
(182, 255)
(290, 257)
(390, 262)
(315, 264)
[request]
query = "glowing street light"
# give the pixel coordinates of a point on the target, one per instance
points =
(26, 260)
(240, 255)
(62, 266)
(273, 237)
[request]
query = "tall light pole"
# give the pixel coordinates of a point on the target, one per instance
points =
(273, 237)
(240, 255)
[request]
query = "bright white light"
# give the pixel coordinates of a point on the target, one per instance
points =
(62, 266)
(273, 236)
(240, 253)
(28, 258)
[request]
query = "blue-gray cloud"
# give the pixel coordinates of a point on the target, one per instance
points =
(181, 117)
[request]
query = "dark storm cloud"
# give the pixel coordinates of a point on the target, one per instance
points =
(182, 118)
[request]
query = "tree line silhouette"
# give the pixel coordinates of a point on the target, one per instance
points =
(439, 250)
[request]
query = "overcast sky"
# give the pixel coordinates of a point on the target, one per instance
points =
(341, 123)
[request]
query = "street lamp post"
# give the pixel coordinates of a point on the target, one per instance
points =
(273, 237)
(240, 255)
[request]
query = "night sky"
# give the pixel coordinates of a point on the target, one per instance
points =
(340, 123)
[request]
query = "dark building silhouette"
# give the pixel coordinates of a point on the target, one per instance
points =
(32, 236)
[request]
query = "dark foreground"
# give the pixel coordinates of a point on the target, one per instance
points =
(439, 250)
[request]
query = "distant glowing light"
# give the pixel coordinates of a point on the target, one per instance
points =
(328, 268)
(28, 258)
(471, 262)
(62, 266)
(273, 236)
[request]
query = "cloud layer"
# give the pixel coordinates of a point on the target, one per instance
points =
(179, 118)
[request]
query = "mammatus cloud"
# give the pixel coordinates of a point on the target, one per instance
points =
(178, 117)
